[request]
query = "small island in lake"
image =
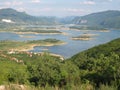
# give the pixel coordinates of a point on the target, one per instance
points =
(85, 37)
(104, 30)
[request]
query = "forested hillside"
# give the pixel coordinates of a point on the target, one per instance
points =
(92, 68)
(100, 64)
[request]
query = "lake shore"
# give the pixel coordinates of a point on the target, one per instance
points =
(31, 46)
(43, 33)
(9, 45)
(83, 39)
(23, 36)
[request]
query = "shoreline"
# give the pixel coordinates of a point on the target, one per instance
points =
(36, 33)
(22, 33)
(31, 47)
(23, 36)
(83, 39)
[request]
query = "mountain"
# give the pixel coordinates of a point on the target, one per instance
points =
(106, 19)
(9, 15)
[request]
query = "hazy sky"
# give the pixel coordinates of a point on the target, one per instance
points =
(60, 7)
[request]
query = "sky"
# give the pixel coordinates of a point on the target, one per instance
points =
(60, 8)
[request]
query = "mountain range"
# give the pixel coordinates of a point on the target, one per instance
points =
(105, 19)
(9, 15)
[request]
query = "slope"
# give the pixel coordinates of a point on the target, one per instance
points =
(106, 19)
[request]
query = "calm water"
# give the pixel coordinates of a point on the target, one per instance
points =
(72, 47)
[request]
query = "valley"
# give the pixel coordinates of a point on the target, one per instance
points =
(59, 53)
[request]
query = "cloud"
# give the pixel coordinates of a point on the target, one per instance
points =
(40, 10)
(21, 9)
(73, 10)
(1, 7)
(35, 1)
(17, 3)
(88, 3)
(46, 9)
(110, 0)
(76, 11)
(103, 0)
(107, 0)
(13, 3)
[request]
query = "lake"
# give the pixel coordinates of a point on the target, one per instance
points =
(72, 47)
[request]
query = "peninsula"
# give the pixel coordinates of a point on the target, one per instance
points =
(27, 45)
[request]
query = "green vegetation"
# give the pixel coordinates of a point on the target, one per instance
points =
(100, 64)
(36, 70)
(27, 45)
(97, 68)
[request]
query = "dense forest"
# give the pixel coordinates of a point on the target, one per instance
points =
(97, 68)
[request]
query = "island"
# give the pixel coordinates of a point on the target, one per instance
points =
(32, 30)
(37, 32)
(85, 37)
(105, 30)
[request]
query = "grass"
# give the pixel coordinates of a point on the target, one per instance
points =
(72, 87)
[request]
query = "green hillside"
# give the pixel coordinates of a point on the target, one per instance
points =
(97, 68)
(24, 18)
(100, 64)
(106, 19)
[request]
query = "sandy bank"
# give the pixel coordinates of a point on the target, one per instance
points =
(84, 39)
(31, 46)
(35, 33)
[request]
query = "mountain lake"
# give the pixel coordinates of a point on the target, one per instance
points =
(71, 47)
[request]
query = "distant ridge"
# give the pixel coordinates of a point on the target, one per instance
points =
(24, 18)
(106, 19)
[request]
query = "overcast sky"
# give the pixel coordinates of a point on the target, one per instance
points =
(60, 7)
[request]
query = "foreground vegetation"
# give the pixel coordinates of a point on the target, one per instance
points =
(95, 69)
